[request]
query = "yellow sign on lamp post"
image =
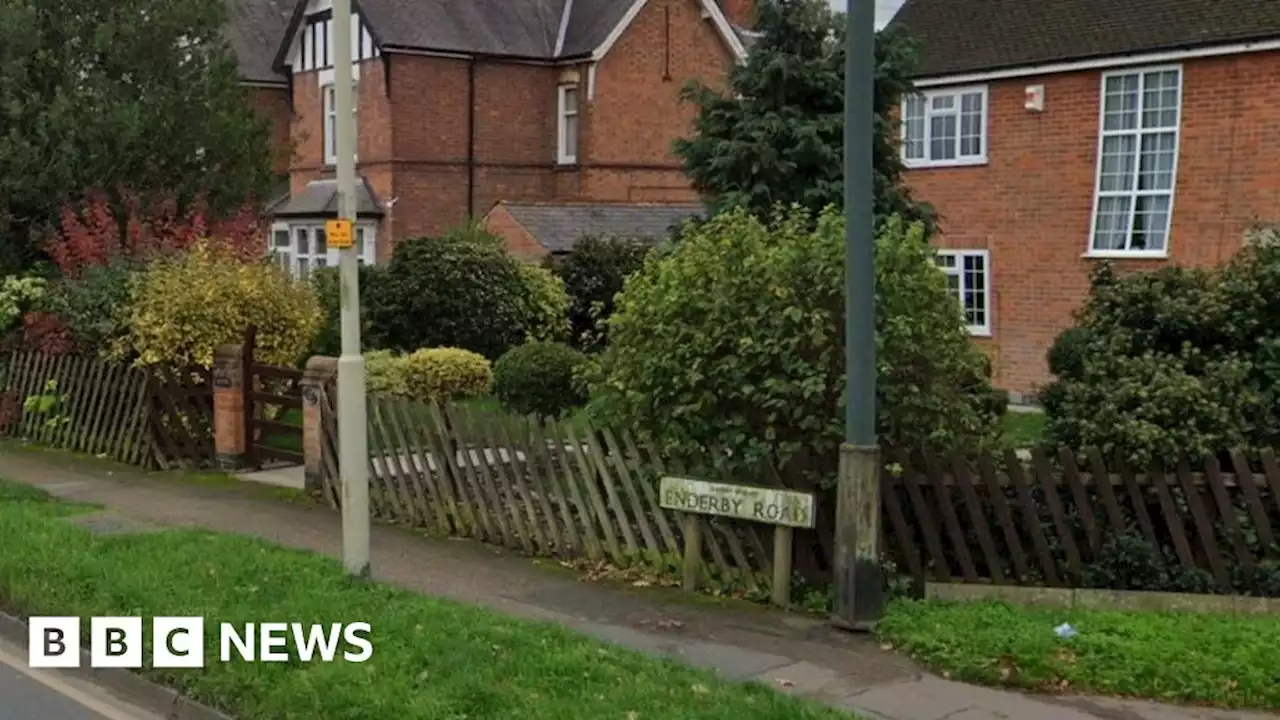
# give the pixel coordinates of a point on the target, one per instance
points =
(338, 234)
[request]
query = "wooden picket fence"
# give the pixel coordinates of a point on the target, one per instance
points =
(151, 418)
(1047, 521)
(543, 489)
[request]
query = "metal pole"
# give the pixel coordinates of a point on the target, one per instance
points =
(353, 449)
(858, 597)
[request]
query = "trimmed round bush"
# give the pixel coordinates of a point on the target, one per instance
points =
(443, 374)
(461, 291)
(382, 373)
(546, 304)
(537, 378)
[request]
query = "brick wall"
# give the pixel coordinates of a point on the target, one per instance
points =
(1031, 206)
(273, 104)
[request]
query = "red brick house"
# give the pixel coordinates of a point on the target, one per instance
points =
(253, 30)
(463, 106)
(1050, 135)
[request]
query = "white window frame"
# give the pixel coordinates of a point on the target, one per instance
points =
(329, 120)
(982, 329)
(1134, 192)
(957, 93)
(290, 259)
(566, 155)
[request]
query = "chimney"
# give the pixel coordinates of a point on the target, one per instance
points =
(739, 12)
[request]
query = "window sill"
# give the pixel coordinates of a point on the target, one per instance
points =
(981, 333)
(1126, 255)
(567, 164)
(931, 165)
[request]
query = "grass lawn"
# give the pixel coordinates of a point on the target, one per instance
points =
(433, 659)
(1176, 657)
(1023, 429)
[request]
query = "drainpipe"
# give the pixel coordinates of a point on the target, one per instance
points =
(471, 139)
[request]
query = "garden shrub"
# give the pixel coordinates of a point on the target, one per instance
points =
(95, 302)
(593, 274)
(17, 295)
(383, 373)
(546, 304)
(1174, 362)
(184, 306)
(734, 339)
(537, 378)
(325, 283)
(461, 290)
(444, 374)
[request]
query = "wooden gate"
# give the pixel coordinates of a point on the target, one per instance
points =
(273, 410)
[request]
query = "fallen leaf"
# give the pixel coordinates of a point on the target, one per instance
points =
(886, 646)
(785, 683)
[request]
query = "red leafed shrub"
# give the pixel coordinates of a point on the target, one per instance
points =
(98, 230)
(46, 333)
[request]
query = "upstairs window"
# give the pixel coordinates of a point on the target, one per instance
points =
(567, 125)
(969, 277)
(329, 126)
(944, 128)
(1137, 162)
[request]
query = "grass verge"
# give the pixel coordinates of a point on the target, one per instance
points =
(1221, 660)
(432, 658)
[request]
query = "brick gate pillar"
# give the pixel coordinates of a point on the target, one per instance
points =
(318, 378)
(229, 436)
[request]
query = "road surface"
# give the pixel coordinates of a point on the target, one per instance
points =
(32, 694)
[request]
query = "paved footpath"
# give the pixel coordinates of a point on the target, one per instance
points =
(793, 653)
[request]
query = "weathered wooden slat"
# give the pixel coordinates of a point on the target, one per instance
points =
(422, 483)
(959, 544)
(586, 475)
(278, 373)
(630, 463)
(286, 402)
(1204, 529)
(468, 494)
(1084, 507)
(524, 470)
(889, 492)
(611, 482)
(1032, 518)
(59, 373)
(1227, 512)
(331, 486)
(506, 489)
(553, 480)
(135, 416)
(20, 371)
(1173, 518)
(113, 374)
(1106, 493)
(597, 542)
(1066, 536)
(436, 468)
(31, 421)
(1001, 506)
(1137, 500)
(113, 427)
(1272, 471)
(454, 433)
(960, 469)
(912, 482)
(78, 370)
(91, 395)
(719, 562)
(394, 456)
(1257, 510)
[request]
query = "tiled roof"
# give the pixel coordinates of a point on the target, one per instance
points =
(527, 28)
(961, 36)
(320, 199)
(254, 29)
(558, 226)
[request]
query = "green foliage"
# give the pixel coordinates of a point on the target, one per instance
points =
(593, 275)
(187, 305)
(775, 135)
(546, 304)
(461, 290)
(735, 339)
(95, 304)
(382, 373)
(327, 288)
(1172, 362)
(1186, 657)
(144, 93)
(537, 378)
(17, 294)
(439, 374)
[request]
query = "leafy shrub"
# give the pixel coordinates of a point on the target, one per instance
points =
(95, 302)
(1173, 362)
(325, 283)
(444, 374)
(456, 291)
(546, 305)
(17, 294)
(97, 231)
(41, 332)
(1130, 562)
(383, 373)
(185, 306)
(734, 338)
(537, 378)
(593, 274)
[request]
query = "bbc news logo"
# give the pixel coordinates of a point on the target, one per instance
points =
(178, 642)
